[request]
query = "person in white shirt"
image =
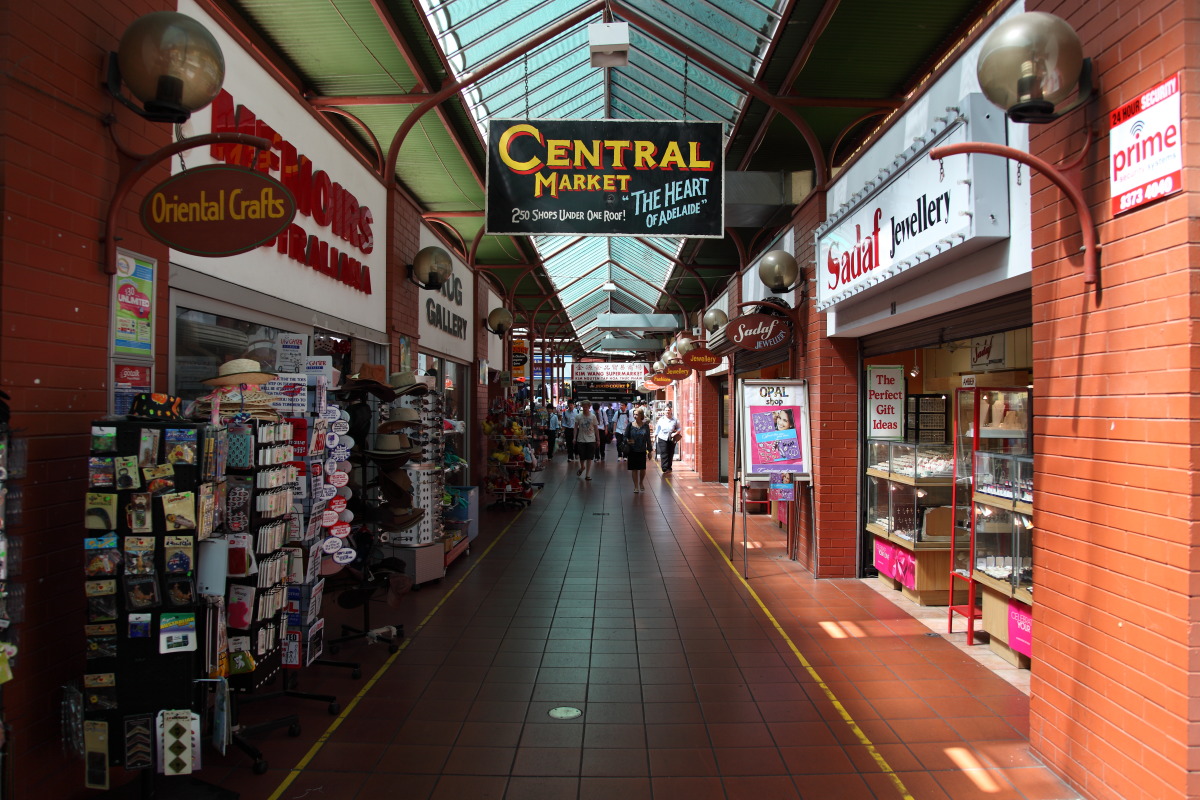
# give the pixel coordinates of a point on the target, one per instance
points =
(666, 433)
(552, 432)
(568, 426)
(586, 432)
(620, 423)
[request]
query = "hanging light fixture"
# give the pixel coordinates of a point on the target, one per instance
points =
(1031, 63)
(499, 321)
(778, 270)
(715, 319)
(170, 63)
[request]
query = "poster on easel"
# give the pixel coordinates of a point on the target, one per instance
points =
(773, 424)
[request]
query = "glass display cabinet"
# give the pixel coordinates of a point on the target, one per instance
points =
(879, 456)
(993, 487)
(1023, 557)
(921, 462)
(877, 504)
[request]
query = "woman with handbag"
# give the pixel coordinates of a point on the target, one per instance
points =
(638, 439)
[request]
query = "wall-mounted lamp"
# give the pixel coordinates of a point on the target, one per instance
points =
(170, 63)
(779, 271)
(914, 370)
(714, 320)
(1028, 65)
(1031, 63)
(499, 321)
(430, 268)
(684, 344)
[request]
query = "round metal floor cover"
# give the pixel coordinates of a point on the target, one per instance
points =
(565, 712)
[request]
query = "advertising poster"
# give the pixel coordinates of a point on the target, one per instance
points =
(1020, 628)
(130, 380)
(1145, 147)
(885, 402)
(133, 306)
(291, 350)
(605, 177)
(774, 421)
(520, 358)
(781, 487)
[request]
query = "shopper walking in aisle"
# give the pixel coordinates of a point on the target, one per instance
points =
(605, 415)
(586, 431)
(620, 423)
(552, 427)
(666, 434)
(568, 426)
(638, 438)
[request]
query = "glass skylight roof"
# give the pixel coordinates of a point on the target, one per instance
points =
(556, 81)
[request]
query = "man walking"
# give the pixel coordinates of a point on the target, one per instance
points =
(666, 434)
(568, 426)
(586, 427)
(604, 417)
(620, 423)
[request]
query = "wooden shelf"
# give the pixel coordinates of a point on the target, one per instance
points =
(1005, 503)
(995, 584)
(878, 530)
(1023, 595)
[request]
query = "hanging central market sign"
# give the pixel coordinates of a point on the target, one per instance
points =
(605, 178)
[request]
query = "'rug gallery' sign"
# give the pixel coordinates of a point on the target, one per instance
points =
(605, 178)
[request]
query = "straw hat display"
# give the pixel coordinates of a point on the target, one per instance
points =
(399, 419)
(392, 449)
(252, 400)
(238, 372)
(407, 383)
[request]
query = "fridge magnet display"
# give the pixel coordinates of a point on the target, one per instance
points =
(138, 750)
(95, 748)
(181, 445)
(148, 447)
(241, 607)
(180, 591)
(237, 503)
(176, 632)
(102, 608)
(101, 473)
(141, 592)
(128, 476)
(100, 691)
(160, 478)
(179, 510)
(177, 736)
(99, 588)
(139, 555)
(137, 513)
(178, 554)
(206, 511)
(239, 554)
(102, 556)
(100, 511)
(104, 439)
(139, 625)
(101, 646)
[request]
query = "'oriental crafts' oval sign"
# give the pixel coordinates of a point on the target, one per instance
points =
(701, 359)
(757, 332)
(677, 372)
(217, 210)
(659, 379)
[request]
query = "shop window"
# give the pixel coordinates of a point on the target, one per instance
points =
(204, 341)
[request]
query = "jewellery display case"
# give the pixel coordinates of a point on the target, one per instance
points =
(909, 493)
(993, 495)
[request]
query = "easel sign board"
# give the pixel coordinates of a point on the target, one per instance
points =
(774, 428)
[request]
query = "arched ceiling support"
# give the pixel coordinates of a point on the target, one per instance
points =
(681, 264)
(741, 81)
(341, 112)
(879, 112)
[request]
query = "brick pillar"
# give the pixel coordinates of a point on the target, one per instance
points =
(403, 301)
(1114, 692)
(708, 428)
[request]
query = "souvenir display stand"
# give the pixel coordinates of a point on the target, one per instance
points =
(514, 456)
(993, 494)
(12, 597)
(153, 492)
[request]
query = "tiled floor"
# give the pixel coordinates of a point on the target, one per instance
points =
(692, 683)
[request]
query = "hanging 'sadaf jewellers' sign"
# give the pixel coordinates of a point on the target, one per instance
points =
(217, 210)
(605, 178)
(757, 332)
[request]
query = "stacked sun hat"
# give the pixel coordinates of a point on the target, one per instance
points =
(391, 450)
(400, 419)
(398, 513)
(368, 379)
(407, 383)
(236, 386)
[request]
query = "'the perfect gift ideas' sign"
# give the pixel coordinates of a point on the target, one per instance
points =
(605, 178)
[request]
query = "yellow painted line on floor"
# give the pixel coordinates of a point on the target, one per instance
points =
(303, 763)
(859, 734)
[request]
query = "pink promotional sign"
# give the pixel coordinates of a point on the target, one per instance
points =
(885, 554)
(904, 568)
(1020, 628)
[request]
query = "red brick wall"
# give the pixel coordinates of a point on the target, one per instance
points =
(1114, 690)
(402, 307)
(59, 171)
(831, 368)
(708, 428)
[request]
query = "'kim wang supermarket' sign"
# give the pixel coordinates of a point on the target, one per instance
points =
(605, 178)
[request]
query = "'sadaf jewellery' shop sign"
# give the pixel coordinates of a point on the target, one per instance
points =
(605, 178)
(927, 211)
(217, 210)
